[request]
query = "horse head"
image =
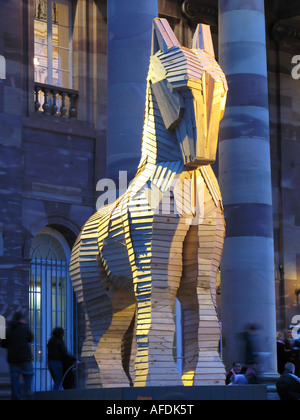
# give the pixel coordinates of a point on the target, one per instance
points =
(190, 90)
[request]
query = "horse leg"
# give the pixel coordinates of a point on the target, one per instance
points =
(110, 351)
(210, 368)
(187, 295)
(84, 269)
(155, 289)
(129, 350)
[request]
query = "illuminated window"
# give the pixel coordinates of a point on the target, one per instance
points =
(50, 298)
(52, 43)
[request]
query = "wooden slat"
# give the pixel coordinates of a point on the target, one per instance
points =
(165, 35)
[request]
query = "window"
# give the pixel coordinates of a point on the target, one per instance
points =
(52, 43)
(50, 299)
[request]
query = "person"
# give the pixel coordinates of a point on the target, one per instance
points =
(288, 385)
(236, 369)
(251, 374)
(60, 360)
(239, 379)
(252, 338)
(281, 352)
(19, 358)
(293, 346)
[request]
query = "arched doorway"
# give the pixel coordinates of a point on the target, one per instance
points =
(50, 298)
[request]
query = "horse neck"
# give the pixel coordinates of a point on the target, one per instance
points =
(158, 143)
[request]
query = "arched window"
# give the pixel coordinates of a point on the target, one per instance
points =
(50, 298)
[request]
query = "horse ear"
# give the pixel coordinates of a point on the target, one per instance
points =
(202, 39)
(163, 37)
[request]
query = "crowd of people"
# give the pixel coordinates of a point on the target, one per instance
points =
(242, 374)
(60, 361)
(288, 350)
(17, 343)
(247, 372)
(288, 366)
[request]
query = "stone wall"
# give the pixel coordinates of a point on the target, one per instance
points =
(49, 165)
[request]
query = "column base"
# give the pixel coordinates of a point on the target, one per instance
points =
(269, 379)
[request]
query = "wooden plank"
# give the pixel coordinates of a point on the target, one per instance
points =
(166, 37)
(169, 104)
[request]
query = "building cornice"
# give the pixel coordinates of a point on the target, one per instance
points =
(200, 13)
(281, 31)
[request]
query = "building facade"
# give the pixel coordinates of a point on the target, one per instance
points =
(53, 143)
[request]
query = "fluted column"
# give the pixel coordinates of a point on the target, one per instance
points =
(247, 270)
(129, 44)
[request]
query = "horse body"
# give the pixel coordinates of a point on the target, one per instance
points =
(163, 237)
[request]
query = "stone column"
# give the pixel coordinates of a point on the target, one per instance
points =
(129, 44)
(247, 270)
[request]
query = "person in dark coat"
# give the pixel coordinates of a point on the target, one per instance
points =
(19, 358)
(288, 385)
(282, 354)
(60, 360)
(252, 337)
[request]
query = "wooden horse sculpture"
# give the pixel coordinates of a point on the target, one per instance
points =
(162, 239)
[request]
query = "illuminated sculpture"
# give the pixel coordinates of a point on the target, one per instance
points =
(163, 237)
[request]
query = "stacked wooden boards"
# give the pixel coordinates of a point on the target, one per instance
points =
(163, 237)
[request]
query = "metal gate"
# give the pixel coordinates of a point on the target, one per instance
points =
(50, 306)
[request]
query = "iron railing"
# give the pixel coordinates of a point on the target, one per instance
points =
(48, 308)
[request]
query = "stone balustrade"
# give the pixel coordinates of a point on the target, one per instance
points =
(54, 100)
